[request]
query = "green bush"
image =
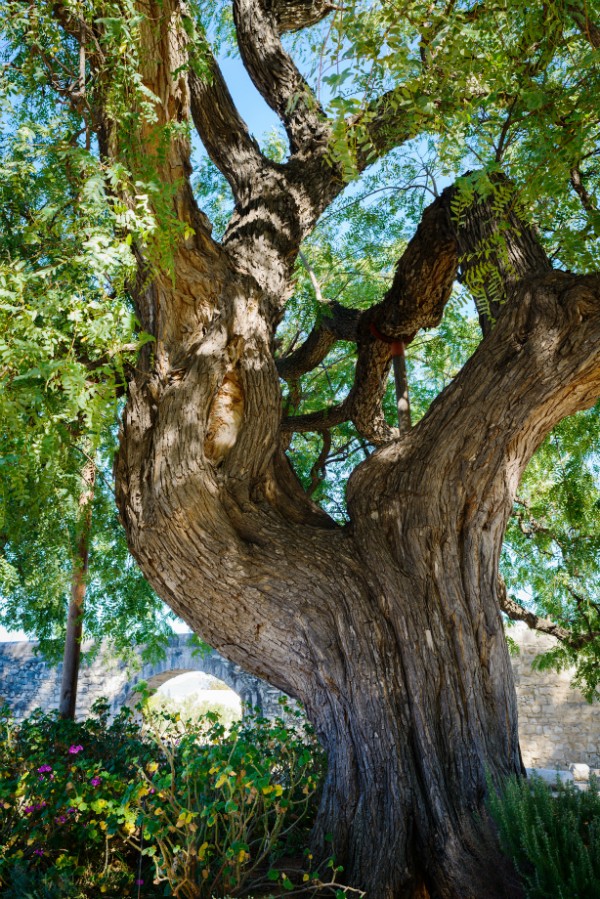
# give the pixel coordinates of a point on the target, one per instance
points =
(64, 824)
(552, 838)
(189, 809)
(224, 803)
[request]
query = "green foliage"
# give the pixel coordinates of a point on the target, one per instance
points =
(223, 805)
(554, 840)
(190, 809)
(553, 542)
(67, 336)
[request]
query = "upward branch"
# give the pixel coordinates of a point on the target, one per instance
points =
(221, 128)
(274, 73)
(539, 364)
(421, 288)
(498, 248)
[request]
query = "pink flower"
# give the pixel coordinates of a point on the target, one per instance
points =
(96, 781)
(44, 769)
(139, 883)
(38, 851)
(34, 808)
(73, 750)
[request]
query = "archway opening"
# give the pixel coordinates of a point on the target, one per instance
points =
(193, 693)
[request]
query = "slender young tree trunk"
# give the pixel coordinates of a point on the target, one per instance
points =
(72, 653)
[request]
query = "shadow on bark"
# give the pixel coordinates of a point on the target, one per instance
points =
(486, 872)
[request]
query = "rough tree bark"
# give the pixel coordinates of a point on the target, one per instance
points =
(388, 630)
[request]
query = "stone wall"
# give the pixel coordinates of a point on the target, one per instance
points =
(557, 726)
(28, 682)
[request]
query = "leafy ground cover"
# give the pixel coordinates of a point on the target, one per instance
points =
(159, 808)
(552, 836)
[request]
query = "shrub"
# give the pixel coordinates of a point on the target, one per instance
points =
(63, 823)
(223, 804)
(553, 839)
(165, 808)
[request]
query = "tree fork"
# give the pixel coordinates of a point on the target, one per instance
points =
(389, 629)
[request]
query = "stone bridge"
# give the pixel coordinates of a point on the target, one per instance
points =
(557, 727)
(28, 682)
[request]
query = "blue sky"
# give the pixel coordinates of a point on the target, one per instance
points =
(258, 116)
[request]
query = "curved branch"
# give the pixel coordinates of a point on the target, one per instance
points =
(577, 183)
(421, 288)
(221, 128)
(320, 420)
(276, 76)
(539, 364)
(317, 472)
(497, 248)
(293, 15)
(516, 612)
(364, 402)
(336, 323)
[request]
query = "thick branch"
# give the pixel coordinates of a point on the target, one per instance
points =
(316, 421)
(222, 130)
(577, 183)
(293, 15)
(497, 248)
(276, 77)
(336, 323)
(540, 364)
(421, 288)
(517, 612)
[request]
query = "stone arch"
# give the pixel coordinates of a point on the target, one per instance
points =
(29, 682)
(182, 657)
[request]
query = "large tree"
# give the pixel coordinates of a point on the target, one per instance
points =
(388, 626)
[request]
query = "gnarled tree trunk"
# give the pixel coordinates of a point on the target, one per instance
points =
(387, 629)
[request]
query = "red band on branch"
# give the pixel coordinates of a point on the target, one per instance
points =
(396, 344)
